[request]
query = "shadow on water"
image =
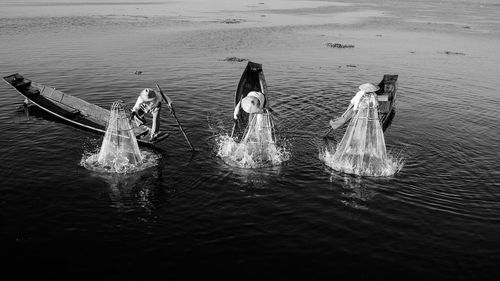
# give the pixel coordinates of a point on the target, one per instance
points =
(355, 191)
(26, 112)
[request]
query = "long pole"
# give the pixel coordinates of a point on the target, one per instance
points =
(169, 102)
(328, 132)
(234, 126)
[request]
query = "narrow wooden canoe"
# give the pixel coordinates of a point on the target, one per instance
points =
(252, 79)
(387, 99)
(69, 109)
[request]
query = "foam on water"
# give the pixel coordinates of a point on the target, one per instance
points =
(258, 147)
(249, 155)
(351, 165)
(120, 164)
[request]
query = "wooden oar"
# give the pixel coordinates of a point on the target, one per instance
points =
(169, 102)
(328, 132)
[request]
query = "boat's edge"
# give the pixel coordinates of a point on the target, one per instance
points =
(388, 116)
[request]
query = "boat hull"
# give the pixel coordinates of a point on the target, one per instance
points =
(387, 99)
(252, 79)
(69, 109)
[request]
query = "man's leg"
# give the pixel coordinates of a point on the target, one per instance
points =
(155, 127)
(139, 121)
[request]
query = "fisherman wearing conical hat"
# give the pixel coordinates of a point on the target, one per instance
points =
(354, 104)
(149, 101)
(252, 103)
(363, 89)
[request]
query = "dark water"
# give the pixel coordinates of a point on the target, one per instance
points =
(193, 214)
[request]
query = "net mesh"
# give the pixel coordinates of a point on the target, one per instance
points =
(258, 140)
(259, 129)
(119, 148)
(257, 147)
(362, 149)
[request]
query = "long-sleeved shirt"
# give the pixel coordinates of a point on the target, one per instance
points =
(146, 106)
(356, 99)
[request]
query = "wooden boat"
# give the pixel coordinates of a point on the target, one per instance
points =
(386, 97)
(252, 79)
(69, 109)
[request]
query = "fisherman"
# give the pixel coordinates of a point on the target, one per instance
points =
(354, 105)
(259, 128)
(253, 102)
(149, 101)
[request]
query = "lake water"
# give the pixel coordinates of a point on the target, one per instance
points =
(194, 214)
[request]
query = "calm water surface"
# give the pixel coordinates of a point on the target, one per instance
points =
(438, 217)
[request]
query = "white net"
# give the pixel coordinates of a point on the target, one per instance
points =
(362, 150)
(257, 148)
(259, 130)
(258, 138)
(119, 148)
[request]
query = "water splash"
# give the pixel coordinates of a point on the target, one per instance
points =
(258, 147)
(362, 150)
(119, 151)
(91, 162)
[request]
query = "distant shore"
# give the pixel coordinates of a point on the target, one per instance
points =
(479, 18)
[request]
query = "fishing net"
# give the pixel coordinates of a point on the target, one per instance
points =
(362, 150)
(260, 130)
(119, 148)
(258, 141)
(257, 147)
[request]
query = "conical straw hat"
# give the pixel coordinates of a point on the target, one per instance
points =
(149, 95)
(369, 87)
(253, 102)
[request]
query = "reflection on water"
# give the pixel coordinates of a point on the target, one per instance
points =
(355, 190)
(256, 179)
(131, 191)
(131, 188)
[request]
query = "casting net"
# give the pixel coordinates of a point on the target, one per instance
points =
(119, 148)
(257, 147)
(362, 150)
